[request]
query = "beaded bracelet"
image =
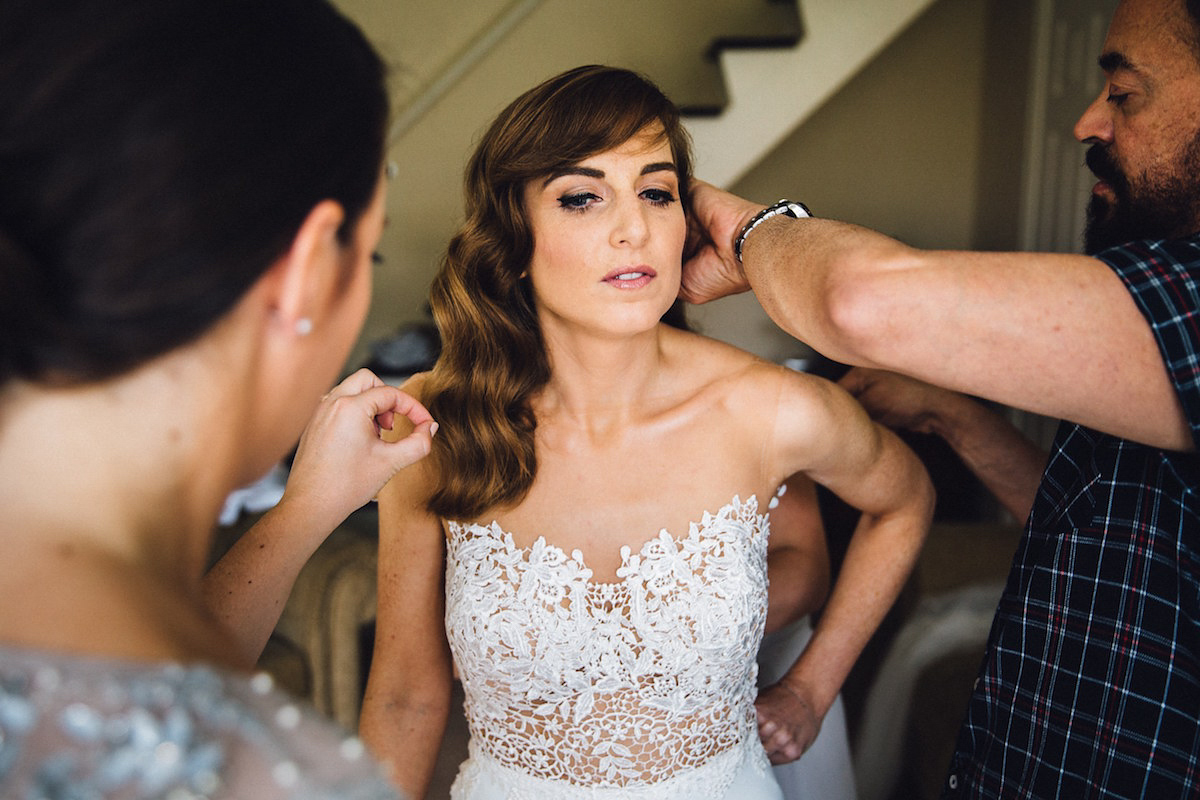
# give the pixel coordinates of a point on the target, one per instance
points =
(787, 208)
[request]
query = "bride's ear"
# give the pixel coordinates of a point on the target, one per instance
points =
(304, 281)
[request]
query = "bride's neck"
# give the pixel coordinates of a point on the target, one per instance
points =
(602, 376)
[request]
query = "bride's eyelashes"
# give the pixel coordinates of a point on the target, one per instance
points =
(659, 197)
(578, 201)
(581, 201)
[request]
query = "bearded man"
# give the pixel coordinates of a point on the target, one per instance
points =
(1090, 686)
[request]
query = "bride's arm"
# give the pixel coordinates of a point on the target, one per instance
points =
(407, 696)
(822, 431)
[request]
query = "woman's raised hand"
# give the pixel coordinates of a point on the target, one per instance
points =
(343, 460)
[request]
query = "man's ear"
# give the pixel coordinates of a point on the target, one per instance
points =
(305, 278)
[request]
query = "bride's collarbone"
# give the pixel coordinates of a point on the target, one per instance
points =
(712, 442)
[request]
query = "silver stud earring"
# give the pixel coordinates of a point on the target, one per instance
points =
(304, 326)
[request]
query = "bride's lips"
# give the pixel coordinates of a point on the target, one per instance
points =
(630, 277)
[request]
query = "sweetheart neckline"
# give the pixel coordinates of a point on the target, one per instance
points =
(505, 538)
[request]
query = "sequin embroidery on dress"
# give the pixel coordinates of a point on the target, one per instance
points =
(624, 684)
(75, 727)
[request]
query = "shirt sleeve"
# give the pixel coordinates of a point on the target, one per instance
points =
(1163, 277)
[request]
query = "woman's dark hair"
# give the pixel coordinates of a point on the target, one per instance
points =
(493, 359)
(156, 156)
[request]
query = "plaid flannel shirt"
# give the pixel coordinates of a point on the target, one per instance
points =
(1090, 686)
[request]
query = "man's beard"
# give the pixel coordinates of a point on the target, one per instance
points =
(1158, 207)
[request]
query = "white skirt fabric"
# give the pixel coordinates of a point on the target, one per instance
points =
(741, 773)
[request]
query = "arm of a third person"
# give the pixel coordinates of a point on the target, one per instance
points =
(1008, 464)
(1055, 334)
(797, 555)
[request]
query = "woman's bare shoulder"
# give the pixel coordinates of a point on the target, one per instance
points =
(743, 372)
(747, 389)
(711, 356)
(415, 483)
(416, 385)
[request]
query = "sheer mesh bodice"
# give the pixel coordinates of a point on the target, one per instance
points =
(619, 684)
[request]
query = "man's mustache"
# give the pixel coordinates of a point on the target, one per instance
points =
(1100, 161)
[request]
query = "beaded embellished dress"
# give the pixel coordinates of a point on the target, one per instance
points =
(79, 728)
(639, 688)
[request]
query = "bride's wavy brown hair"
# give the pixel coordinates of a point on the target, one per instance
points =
(493, 359)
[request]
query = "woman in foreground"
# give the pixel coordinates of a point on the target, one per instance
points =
(587, 543)
(191, 194)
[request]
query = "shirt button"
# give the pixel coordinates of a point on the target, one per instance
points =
(953, 782)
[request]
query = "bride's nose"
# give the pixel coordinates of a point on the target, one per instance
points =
(630, 226)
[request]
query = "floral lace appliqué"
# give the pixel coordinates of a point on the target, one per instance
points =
(620, 684)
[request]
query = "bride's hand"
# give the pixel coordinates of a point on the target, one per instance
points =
(787, 724)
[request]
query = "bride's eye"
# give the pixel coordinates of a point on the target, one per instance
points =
(659, 197)
(577, 202)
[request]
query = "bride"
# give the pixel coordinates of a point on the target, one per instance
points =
(586, 544)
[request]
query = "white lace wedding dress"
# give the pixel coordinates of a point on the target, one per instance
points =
(640, 688)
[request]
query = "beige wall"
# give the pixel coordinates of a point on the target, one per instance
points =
(924, 145)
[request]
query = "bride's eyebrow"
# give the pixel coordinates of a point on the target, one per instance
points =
(658, 166)
(587, 172)
(590, 172)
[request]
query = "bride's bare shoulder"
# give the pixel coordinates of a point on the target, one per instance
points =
(416, 385)
(741, 382)
(704, 353)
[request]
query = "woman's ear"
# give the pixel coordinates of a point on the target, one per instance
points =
(305, 278)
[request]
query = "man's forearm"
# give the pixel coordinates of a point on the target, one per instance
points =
(1058, 335)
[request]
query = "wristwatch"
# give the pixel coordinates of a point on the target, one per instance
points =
(787, 208)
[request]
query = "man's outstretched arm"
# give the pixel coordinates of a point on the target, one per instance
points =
(1055, 334)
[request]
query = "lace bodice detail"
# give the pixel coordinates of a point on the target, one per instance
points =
(610, 684)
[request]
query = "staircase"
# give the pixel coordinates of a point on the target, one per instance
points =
(772, 91)
(746, 73)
